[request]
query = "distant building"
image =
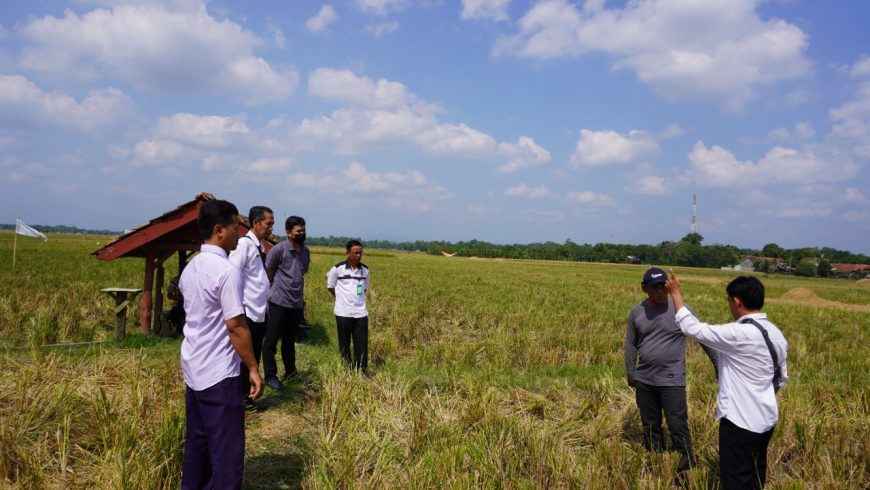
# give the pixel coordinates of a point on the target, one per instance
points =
(850, 271)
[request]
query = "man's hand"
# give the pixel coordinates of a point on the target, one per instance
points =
(673, 285)
(256, 384)
(630, 381)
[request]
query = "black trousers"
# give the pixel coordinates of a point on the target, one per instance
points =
(258, 333)
(281, 324)
(651, 402)
(742, 456)
(356, 329)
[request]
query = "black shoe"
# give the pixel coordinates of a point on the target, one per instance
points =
(291, 376)
(250, 406)
(275, 384)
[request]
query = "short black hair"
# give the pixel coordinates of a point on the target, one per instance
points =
(293, 221)
(258, 213)
(215, 212)
(749, 289)
(352, 243)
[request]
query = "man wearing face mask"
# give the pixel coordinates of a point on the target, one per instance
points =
(286, 265)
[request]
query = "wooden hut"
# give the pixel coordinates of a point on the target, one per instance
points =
(173, 232)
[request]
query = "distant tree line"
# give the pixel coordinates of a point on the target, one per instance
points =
(63, 229)
(688, 251)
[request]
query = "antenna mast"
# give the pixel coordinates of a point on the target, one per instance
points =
(694, 208)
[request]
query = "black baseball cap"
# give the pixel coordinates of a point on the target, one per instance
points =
(654, 276)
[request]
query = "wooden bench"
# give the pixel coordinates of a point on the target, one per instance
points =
(123, 297)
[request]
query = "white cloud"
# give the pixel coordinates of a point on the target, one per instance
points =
(409, 190)
(23, 103)
(270, 165)
(325, 16)
(382, 112)
(525, 153)
(213, 132)
(650, 185)
(176, 46)
(856, 216)
(779, 134)
(718, 167)
(485, 9)
(344, 86)
(381, 7)
(523, 190)
(548, 215)
(851, 121)
(804, 130)
(160, 152)
(861, 68)
(672, 131)
(596, 148)
(381, 28)
(590, 198)
(455, 139)
(716, 50)
(804, 211)
(855, 196)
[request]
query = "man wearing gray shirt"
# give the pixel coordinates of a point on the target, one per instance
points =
(286, 266)
(655, 365)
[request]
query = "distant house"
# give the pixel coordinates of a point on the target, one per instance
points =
(744, 265)
(850, 271)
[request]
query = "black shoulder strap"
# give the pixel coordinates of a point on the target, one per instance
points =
(257, 245)
(777, 374)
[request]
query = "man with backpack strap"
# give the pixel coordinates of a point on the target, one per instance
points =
(752, 367)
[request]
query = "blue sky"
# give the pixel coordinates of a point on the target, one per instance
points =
(500, 120)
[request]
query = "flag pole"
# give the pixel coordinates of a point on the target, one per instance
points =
(15, 244)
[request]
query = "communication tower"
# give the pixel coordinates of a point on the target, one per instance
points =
(694, 209)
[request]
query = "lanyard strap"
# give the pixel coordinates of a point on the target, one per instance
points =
(777, 374)
(261, 254)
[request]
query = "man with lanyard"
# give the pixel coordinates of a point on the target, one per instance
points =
(216, 340)
(752, 368)
(250, 259)
(348, 282)
(655, 366)
(286, 265)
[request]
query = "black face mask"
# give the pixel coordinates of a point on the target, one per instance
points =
(300, 238)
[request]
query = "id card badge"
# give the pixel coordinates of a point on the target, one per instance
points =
(359, 289)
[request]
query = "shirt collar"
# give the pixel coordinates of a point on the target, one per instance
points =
(755, 316)
(256, 240)
(213, 249)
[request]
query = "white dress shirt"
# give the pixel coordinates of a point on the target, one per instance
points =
(746, 395)
(246, 257)
(212, 290)
(350, 287)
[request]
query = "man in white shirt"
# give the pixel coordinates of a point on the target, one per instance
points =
(348, 282)
(216, 341)
(250, 258)
(752, 367)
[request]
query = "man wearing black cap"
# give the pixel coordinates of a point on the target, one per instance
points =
(655, 365)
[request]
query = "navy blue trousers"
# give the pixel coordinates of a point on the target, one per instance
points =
(214, 446)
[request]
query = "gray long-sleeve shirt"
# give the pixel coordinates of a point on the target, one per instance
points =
(655, 347)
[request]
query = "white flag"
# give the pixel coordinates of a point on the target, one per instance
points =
(22, 229)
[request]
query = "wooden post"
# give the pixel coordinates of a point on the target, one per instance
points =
(158, 302)
(145, 306)
(182, 261)
(120, 316)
